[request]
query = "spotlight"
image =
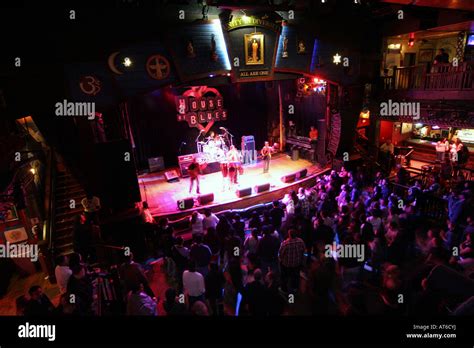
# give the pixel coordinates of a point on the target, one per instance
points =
(33, 171)
(127, 62)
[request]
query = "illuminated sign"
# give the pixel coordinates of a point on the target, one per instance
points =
(201, 105)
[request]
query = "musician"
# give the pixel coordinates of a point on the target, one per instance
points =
(193, 170)
(266, 153)
(233, 158)
(313, 134)
(233, 154)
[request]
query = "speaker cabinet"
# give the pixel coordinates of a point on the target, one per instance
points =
(288, 178)
(184, 162)
(244, 192)
(302, 174)
(172, 175)
(187, 203)
(248, 149)
(156, 164)
(262, 188)
(206, 199)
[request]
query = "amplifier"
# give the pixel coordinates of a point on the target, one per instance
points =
(184, 162)
(248, 149)
(155, 164)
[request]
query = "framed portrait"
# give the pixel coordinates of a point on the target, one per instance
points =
(254, 49)
(425, 55)
(300, 46)
(11, 214)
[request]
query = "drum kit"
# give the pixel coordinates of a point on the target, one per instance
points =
(214, 149)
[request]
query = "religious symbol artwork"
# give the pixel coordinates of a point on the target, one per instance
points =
(90, 85)
(158, 67)
(190, 53)
(254, 49)
(301, 47)
(213, 49)
(285, 47)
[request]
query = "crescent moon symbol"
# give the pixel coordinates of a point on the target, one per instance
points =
(111, 63)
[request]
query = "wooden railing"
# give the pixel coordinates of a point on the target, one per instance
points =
(439, 77)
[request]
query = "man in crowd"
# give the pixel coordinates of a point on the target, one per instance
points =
(292, 258)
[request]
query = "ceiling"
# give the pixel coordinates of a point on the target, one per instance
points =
(466, 5)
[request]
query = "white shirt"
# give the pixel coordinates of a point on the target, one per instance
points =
(197, 227)
(193, 283)
(62, 274)
(210, 221)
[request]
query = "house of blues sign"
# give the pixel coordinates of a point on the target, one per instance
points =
(201, 107)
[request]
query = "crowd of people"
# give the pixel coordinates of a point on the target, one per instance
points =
(283, 259)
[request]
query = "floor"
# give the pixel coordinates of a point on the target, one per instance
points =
(162, 195)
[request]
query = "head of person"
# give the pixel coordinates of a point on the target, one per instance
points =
(163, 222)
(197, 239)
(232, 147)
(254, 233)
(214, 267)
(257, 275)
(292, 234)
(179, 241)
(207, 212)
(267, 143)
(441, 51)
(191, 266)
(276, 204)
(62, 260)
(89, 195)
(137, 288)
(35, 292)
(199, 308)
(145, 205)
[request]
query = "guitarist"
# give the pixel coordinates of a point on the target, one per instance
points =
(194, 172)
(266, 155)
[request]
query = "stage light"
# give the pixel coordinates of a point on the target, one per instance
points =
(127, 62)
(411, 42)
(33, 171)
(394, 46)
(435, 127)
(211, 75)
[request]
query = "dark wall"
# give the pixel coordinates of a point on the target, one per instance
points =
(158, 133)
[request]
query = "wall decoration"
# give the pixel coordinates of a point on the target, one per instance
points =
(285, 47)
(16, 235)
(301, 46)
(90, 85)
(425, 55)
(201, 105)
(213, 49)
(158, 67)
(11, 214)
(254, 49)
(190, 53)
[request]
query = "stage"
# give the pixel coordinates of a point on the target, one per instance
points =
(162, 196)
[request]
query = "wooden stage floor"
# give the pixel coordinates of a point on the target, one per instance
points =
(162, 196)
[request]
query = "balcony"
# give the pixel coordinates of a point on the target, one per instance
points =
(441, 81)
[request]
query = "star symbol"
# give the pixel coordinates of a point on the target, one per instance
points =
(336, 59)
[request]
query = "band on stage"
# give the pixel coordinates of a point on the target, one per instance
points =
(220, 148)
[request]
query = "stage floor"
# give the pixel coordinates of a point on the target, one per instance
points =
(162, 196)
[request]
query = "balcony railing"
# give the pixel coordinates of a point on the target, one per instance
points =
(440, 77)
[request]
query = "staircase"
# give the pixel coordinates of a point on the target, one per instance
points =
(67, 189)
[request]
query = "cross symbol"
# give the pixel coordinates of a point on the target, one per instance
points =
(336, 59)
(157, 67)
